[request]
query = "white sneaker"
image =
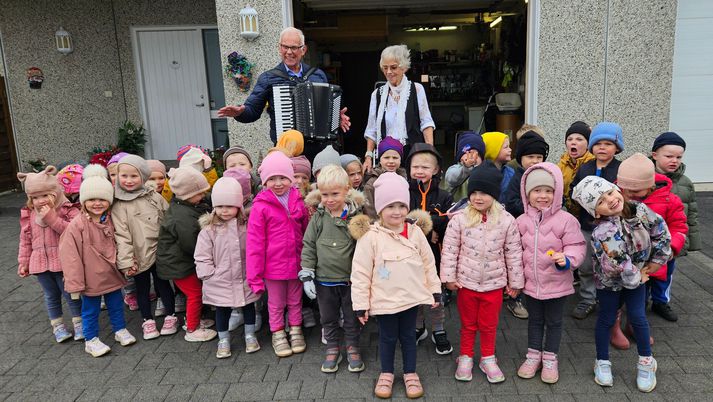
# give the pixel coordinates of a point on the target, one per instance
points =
(223, 349)
(96, 348)
(200, 335)
(236, 319)
(124, 337)
(160, 309)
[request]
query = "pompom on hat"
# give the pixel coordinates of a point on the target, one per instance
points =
(70, 178)
(276, 164)
(388, 189)
(227, 192)
(96, 185)
(187, 182)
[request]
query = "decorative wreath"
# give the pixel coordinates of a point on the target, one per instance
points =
(240, 69)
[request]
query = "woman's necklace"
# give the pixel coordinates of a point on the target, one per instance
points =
(395, 95)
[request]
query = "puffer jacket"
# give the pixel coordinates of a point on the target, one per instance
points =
(484, 257)
(88, 253)
(274, 240)
(369, 208)
(220, 263)
(391, 273)
(327, 246)
(569, 168)
(684, 189)
(551, 229)
(39, 245)
(177, 239)
(622, 246)
(136, 226)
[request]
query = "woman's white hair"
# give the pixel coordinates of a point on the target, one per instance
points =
(293, 30)
(400, 53)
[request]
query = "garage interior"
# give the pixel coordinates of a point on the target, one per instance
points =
(461, 51)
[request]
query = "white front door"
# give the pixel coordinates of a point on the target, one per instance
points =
(174, 86)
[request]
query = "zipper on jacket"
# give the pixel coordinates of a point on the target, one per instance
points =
(534, 263)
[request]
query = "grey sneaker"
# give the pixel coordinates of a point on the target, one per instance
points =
(331, 361)
(583, 310)
(517, 309)
(356, 364)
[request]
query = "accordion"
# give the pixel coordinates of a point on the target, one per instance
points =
(311, 108)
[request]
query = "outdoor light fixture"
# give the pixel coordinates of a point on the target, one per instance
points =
(249, 26)
(496, 22)
(448, 28)
(64, 41)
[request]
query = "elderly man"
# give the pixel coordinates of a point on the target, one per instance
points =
(292, 49)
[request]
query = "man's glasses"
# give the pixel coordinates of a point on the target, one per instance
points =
(293, 48)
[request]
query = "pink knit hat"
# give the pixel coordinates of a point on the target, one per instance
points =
(227, 192)
(197, 159)
(243, 178)
(187, 182)
(301, 165)
(636, 173)
(40, 183)
(276, 164)
(157, 166)
(388, 189)
(70, 178)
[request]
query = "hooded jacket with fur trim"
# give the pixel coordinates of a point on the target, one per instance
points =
(391, 273)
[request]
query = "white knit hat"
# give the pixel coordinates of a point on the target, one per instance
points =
(95, 185)
(588, 191)
(227, 193)
(196, 159)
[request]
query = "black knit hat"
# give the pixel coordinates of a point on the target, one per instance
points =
(668, 138)
(531, 143)
(485, 178)
(579, 127)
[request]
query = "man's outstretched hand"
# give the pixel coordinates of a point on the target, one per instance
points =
(231, 111)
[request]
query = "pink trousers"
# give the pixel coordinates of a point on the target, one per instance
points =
(281, 295)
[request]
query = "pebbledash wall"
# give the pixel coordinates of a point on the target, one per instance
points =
(605, 60)
(596, 60)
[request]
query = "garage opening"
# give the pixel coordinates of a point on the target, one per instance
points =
(462, 52)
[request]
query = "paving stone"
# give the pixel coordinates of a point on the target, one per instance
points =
(251, 391)
(288, 390)
(186, 375)
(152, 393)
(181, 392)
(209, 392)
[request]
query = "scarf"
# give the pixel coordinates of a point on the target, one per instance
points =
(402, 93)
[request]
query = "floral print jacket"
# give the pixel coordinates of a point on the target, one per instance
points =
(623, 246)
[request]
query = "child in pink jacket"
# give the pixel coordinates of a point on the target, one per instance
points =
(553, 246)
(481, 255)
(220, 264)
(278, 220)
(44, 218)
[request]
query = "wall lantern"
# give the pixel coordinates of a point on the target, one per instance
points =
(64, 41)
(249, 26)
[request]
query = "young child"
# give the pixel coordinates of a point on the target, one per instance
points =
(391, 152)
(355, 170)
(576, 141)
(425, 195)
(667, 154)
(113, 166)
(70, 178)
(239, 157)
(158, 176)
(88, 255)
(303, 173)
(292, 141)
(497, 150)
(638, 181)
(605, 141)
(177, 242)
(220, 264)
(479, 277)
(553, 246)
(469, 154)
(630, 242)
(393, 273)
(518, 136)
(137, 215)
(531, 149)
(199, 160)
(42, 221)
(327, 253)
(277, 222)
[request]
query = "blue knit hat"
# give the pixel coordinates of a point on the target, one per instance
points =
(607, 131)
(469, 140)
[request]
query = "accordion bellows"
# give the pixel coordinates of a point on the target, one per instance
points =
(311, 108)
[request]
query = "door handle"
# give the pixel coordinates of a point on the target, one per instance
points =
(200, 104)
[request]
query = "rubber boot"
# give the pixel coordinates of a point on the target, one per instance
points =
(617, 337)
(630, 332)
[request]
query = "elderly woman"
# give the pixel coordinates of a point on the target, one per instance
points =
(399, 108)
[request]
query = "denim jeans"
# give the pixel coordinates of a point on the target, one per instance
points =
(91, 307)
(52, 284)
(609, 303)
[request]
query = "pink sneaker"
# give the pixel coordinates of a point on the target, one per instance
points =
(489, 366)
(464, 371)
(170, 325)
(150, 332)
(533, 362)
(130, 300)
(550, 373)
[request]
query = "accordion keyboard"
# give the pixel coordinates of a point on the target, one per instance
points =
(284, 107)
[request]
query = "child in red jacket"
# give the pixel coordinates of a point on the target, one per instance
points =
(639, 182)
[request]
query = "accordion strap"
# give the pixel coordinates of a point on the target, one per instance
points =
(282, 74)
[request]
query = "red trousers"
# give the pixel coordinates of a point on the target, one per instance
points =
(192, 287)
(479, 312)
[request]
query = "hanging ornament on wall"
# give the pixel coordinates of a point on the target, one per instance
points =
(35, 77)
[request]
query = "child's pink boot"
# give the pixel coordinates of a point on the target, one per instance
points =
(532, 363)
(550, 372)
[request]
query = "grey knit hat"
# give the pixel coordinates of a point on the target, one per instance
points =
(328, 156)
